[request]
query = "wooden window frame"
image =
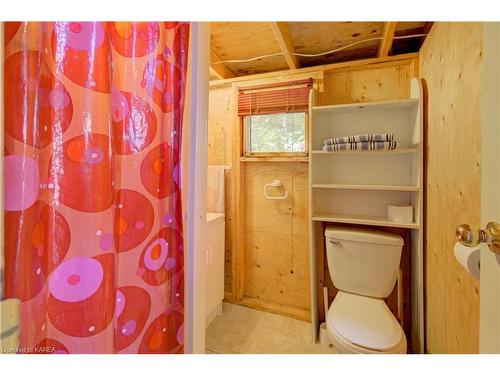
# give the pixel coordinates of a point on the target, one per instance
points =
(245, 141)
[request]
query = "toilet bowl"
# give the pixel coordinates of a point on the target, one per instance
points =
(358, 324)
(363, 265)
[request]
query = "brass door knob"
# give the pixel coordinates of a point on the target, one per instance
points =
(490, 235)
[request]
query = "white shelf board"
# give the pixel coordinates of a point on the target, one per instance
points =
(362, 219)
(367, 106)
(273, 159)
(411, 150)
(366, 187)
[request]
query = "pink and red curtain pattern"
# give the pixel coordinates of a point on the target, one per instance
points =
(93, 222)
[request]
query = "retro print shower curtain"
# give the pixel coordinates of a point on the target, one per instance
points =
(93, 222)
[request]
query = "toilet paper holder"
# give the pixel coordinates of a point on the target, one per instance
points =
(275, 183)
(490, 235)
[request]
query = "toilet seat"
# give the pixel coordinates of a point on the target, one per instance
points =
(359, 324)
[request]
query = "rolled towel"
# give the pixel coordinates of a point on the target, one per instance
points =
(360, 138)
(362, 146)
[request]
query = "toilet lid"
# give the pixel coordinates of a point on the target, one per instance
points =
(364, 321)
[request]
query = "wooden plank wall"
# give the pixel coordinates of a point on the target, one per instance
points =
(276, 237)
(451, 65)
(276, 261)
(386, 82)
(220, 152)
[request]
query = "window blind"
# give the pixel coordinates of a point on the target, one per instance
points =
(285, 97)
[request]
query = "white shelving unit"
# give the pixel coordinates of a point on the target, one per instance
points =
(366, 187)
(414, 150)
(356, 187)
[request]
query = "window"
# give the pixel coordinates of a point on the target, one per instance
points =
(277, 133)
(273, 117)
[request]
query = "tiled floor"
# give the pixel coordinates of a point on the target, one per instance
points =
(241, 330)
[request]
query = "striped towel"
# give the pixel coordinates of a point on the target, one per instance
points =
(360, 138)
(362, 146)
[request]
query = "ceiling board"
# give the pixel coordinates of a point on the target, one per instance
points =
(409, 25)
(269, 64)
(346, 55)
(243, 40)
(211, 75)
(318, 37)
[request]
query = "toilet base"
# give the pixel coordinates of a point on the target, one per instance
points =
(341, 346)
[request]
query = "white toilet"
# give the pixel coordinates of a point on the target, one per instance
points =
(363, 265)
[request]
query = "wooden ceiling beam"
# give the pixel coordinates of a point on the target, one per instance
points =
(428, 27)
(280, 30)
(220, 70)
(387, 38)
(427, 30)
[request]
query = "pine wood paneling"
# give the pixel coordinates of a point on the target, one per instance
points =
(451, 65)
(244, 40)
(276, 251)
(375, 84)
(319, 37)
(220, 151)
(220, 119)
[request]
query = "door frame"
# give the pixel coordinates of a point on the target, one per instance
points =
(489, 310)
(195, 217)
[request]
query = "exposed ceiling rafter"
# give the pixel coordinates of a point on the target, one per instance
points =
(387, 38)
(280, 30)
(427, 30)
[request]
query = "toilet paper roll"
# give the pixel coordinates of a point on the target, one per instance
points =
(469, 258)
(400, 213)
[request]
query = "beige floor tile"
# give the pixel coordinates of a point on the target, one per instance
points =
(266, 342)
(233, 331)
(244, 330)
(280, 335)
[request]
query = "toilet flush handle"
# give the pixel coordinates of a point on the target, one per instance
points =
(336, 243)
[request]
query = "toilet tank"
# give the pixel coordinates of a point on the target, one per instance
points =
(363, 261)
